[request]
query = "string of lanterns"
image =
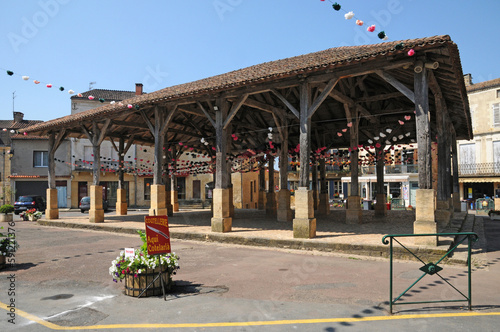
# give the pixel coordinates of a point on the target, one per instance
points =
(349, 15)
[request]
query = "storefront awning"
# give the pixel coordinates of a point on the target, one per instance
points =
(374, 178)
(478, 180)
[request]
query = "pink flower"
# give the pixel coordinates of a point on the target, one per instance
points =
(407, 117)
(359, 22)
(349, 124)
(91, 97)
(371, 28)
(401, 122)
(411, 52)
(129, 105)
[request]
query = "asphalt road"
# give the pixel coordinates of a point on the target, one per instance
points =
(61, 279)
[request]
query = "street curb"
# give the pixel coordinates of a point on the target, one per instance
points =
(430, 254)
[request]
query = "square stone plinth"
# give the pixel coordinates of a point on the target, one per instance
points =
(52, 210)
(157, 207)
(425, 205)
(96, 212)
(222, 225)
(304, 228)
(425, 227)
(304, 203)
(175, 200)
(121, 202)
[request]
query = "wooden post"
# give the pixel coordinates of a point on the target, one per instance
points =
(456, 185)
(284, 210)
(354, 214)
(221, 220)
(443, 214)
(425, 222)
(52, 209)
(262, 186)
(271, 196)
(324, 201)
(314, 186)
(380, 206)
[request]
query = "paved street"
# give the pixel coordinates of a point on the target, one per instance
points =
(61, 280)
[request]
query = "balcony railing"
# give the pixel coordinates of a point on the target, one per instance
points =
(479, 169)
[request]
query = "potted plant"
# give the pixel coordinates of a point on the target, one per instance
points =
(138, 271)
(8, 244)
(6, 212)
(31, 215)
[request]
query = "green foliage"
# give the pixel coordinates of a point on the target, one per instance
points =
(144, 247)
(7, 208)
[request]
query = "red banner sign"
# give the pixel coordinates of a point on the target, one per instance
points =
(157, 235)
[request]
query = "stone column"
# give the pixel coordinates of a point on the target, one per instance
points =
(425, 222)
(271, 196)
(158, 207)
(324, 201)
(52, 209)
(304, 224)
(96, 212)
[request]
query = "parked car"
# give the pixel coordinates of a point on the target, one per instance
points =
(27, 202)
(85, 204)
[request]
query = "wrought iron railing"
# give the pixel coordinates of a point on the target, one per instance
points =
(479, 169)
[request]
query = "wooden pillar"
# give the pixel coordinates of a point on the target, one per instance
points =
(167, 181)
(52, 209)
(324, 201)
(425, 203)
(271, 196)
(380, 206)
(221, 220)
(96, 212)
(174, 198)
(314, 186)
(455, 182)
(354, 214)
(443, 214)
(304, 224)
(262, 186)
(121, 195)
(284, 210)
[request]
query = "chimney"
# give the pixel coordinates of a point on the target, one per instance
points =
(18, 116)
(138, 89)
(468, 79)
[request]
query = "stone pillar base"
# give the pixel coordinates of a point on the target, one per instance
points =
(324, 205)
(121, 202)
(52, 210)
(442, 214)
(175, 201)
(262, 200)
(157, 200)
(231, 202)
(380, 206)
(425, 219)
(96, 212)
(221, 221)
(354, 214)
(222, 225)
(271, 204)
(304, 228)
(304, 224)
(497, 203)
(284, 211)
(425, 227)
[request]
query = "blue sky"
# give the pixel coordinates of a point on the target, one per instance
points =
(116, 44)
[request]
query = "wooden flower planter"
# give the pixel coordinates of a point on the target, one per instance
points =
(135, 285)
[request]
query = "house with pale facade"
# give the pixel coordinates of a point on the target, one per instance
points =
(479, 159)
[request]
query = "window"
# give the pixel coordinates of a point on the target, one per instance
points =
(40, 159)
(498, 93)
(496, 114)
(147, 188)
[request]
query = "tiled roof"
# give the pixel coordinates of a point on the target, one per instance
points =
(10, 124)
(106, 94)
(333, 58)
(484, 85)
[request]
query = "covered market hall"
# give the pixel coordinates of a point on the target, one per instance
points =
(357, 99)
